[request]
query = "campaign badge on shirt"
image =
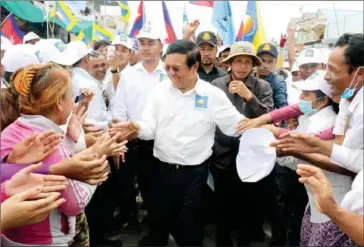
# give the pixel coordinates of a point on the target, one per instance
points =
(201, 102)
(162, 77)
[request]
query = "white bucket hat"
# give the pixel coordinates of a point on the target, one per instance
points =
(256, 158)
(19, 56)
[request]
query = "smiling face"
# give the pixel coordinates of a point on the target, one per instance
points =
(339, 75)
(181, 76)
(98, 67)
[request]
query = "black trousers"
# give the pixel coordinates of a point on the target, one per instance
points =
(177, 193)
(137, 162)
(240, 206)
(100, 210)
(291, 201)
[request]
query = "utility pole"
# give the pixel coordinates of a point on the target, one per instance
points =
(337, 21)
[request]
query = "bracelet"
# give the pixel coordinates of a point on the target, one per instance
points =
(114, 71)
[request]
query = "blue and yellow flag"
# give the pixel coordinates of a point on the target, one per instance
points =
(61, 12)
(222, 19)
(253, 25)
(82, 37)
(125, 11)
(100, 33)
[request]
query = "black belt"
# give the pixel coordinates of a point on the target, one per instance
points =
(173, 166)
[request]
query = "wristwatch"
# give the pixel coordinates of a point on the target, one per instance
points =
(114, 71)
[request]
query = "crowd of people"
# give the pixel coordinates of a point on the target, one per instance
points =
(86, 128)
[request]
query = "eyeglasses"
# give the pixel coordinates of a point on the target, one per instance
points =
(174, 68)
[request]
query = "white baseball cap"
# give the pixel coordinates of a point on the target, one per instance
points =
(54, 50)
(222, 49)
(19, 56)
(5, 43)
(122, 39)
(149, 33)
(310, 55)
(256, 158)
(315, 82)
(30, 36)
(76, 50)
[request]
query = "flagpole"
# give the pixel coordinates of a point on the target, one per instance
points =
(5, 19)
(47, 13)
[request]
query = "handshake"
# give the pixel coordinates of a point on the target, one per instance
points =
(127, 130)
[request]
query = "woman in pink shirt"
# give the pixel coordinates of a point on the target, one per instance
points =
(46, 102)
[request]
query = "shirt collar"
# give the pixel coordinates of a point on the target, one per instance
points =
(201, 69)
(159, 68)
(198, 89)
(319, 115)
(41, 122)
(358, 99)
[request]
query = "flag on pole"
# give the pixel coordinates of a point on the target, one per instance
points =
(222, 19)
(209, 3)
(240, 34)
(139, 21)
(61, 12)
(125, 11)
(100, 33)
(171, 36)
(81, 37)
(253, 25)
(11, 30)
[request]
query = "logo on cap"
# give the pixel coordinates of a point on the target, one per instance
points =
(309, 53)
(244, 49)
(60, 46)
(147, 29)
(123, 38)
(266, 47)
(206, 36)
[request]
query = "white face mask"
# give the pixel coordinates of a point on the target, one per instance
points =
(65, 126)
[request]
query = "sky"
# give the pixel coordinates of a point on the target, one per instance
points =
(275, 14)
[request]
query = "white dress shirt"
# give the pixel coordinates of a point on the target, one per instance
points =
(184, 130)
(350, 154)
(353, 200)
(96, 112)
(133, 91)
(339, 128)
(341, 184)
(108, 86)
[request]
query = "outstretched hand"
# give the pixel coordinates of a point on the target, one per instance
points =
(35, 148)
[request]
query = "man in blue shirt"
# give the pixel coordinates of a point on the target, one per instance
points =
(268, 53)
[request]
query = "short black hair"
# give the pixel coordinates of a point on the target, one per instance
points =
(185, 47)
(354, 53)
(101, 43)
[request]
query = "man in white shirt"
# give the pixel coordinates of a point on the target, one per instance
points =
(97, 113)
(181, 115)
(132, 92)
(345, 75)
(118, 60)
